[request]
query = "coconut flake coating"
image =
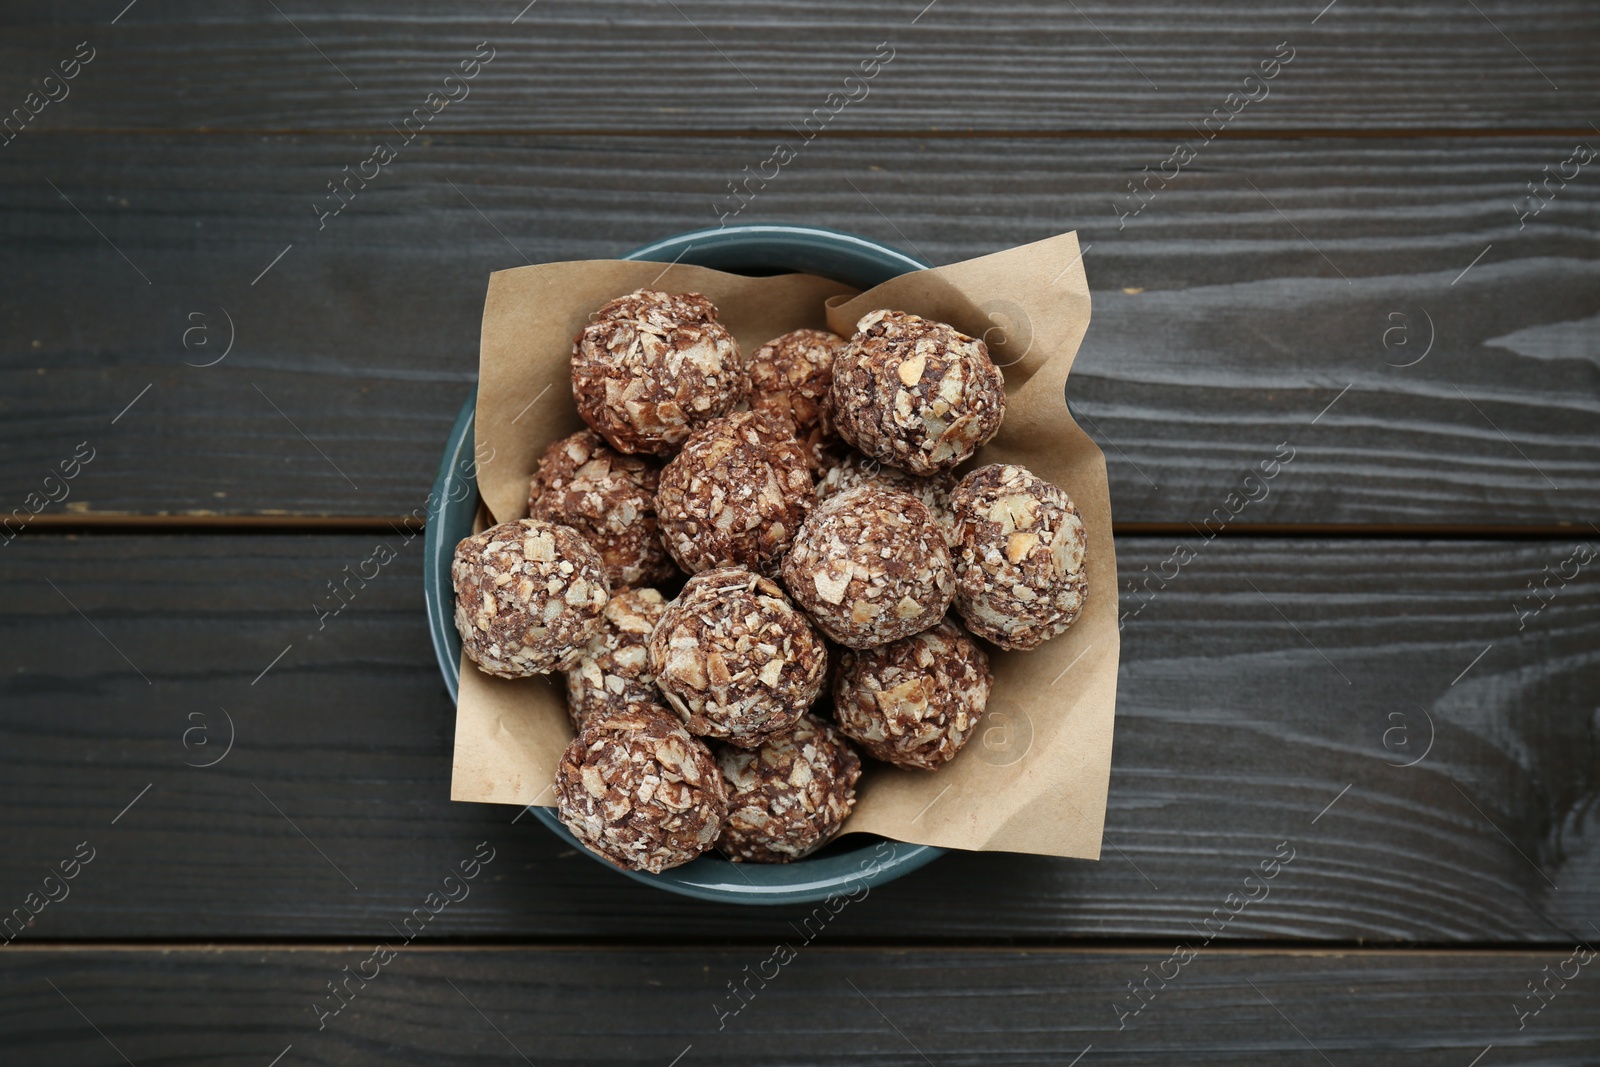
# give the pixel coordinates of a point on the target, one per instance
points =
(736, 494)
(529, 596)
(651, 367)
(870, 566)
(735, 659)
(933, 490)
(791, 377)
(636, 789)
(614, 673)
(790, 796)
(609, 498)
(1020, 574)
(915, 393)
(914, 702)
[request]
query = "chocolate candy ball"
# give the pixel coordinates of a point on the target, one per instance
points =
(735, 658)
(856, 469)
(610, 499)
(1020, 573)
(651, 367)
(790, 796)
(791, 377)
(870, 566)
(529, 596)
(736, 494)
(916, 394)
(613, 673)
(636, 789)
(914, 702)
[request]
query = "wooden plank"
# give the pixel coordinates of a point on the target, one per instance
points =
(245, 1005)
(1222, 328)
(737, 65)
(1269, 693)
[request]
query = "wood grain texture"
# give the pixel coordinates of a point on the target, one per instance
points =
(442, 1007)
(1227, 318)
(736, 65)
(1268, 693)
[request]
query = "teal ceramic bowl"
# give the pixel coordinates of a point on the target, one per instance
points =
(845, 866)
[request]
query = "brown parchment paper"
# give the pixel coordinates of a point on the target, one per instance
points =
(1034, 777)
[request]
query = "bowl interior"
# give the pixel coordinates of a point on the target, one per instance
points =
(759, 249)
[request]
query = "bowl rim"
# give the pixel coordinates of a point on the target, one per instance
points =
(738, 248)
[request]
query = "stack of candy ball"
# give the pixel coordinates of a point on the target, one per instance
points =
(841, 579)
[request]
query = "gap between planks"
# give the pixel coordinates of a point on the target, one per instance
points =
(1154, 947)
(934, 133)
(60, 525)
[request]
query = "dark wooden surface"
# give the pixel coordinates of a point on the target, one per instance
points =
(1233, 734)
(732, 65)
(1219, 331)
(1363, 213)
(242, 1005)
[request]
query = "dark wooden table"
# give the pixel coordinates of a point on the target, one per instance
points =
(1388, 664)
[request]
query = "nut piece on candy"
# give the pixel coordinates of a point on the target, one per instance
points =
(870, 566)
(915, 702)
(790, 377)
(529, 595)
(790, 796)
(614, 673)
(610, 499)
(638, 791)
(735, 659)
(915, 393)
(933, 490)
(1020, 574)
(651, 367)
(736, 494)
